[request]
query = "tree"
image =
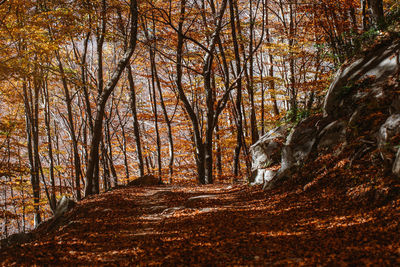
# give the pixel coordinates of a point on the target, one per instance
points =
(376, 7)
(105, 94)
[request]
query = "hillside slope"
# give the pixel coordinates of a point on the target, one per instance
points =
(217, 225)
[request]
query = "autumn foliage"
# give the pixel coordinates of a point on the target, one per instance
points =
(97, 93)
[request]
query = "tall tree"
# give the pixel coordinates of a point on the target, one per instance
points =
(105, 94)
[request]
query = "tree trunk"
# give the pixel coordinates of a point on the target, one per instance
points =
(32, 145)
(292, 80)
(71, 126)
(378, 16)
(153, 95)
(103, 97)
(239, 116)
(199, 151)
(136, 128)
(250, 82)
(49, 146)
(163, 107)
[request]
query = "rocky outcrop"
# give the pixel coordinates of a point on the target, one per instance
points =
(379, 64)
(332, 135)
(396, 165)
(299, 144)
(388, 130)
(63, 205)
(267, 152)
(59, 218)
(363, 97)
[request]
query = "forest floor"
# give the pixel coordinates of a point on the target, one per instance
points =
(217, 225)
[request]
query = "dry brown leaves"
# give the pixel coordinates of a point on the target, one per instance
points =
(222, 226)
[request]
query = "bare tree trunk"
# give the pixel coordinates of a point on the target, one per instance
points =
(123, 145)
(163, 107)
(153, 100)
(212, 115)
(136, 128)
(153, 95)
(239, 116)
(71, 125)
(378, 16)
(106, 169)
(169, 128)
(103, 97)
(109, 150)
(49, 146)
(293, 91)
(199, 151)
(250, 82)
(32, 126)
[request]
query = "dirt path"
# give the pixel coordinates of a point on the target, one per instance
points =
(216, 225)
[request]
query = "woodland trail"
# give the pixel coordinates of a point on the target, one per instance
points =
(216, 225)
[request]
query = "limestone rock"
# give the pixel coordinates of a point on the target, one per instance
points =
(297, 149)
(396, 165)
(389, 129)
(262, 176)
(378, 64)
(332, 135)
(63, 205)
(299, 143)
(267, 150)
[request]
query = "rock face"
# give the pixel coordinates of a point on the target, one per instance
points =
(378, 63)
(388, 130)
(267, 152)
(262, 176)
(64, 204)
(332, 135)
(359, 90)
(299, 144)
(396, 165)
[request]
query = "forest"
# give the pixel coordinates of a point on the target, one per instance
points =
(97, 93)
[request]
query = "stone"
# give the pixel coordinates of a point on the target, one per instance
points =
(299, 144)
(202, 197)
(170, 211)
(395, 106)
(267, 151)
(332, 135)
(297, 149)
(389, 129)
(263, 176)
(396, 164)
(63, 205)
(378, 64)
